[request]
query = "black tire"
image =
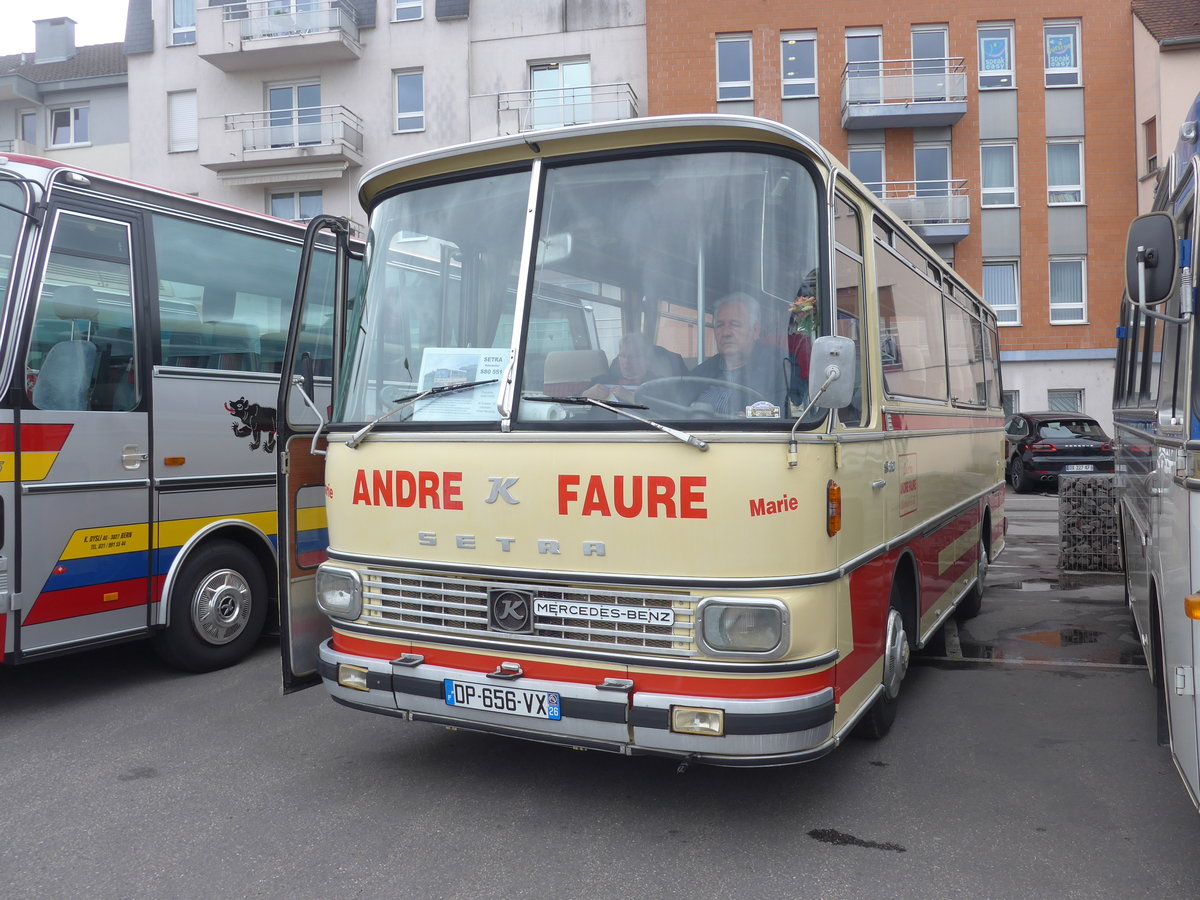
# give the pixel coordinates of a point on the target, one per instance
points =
(896, 651)
(218, 608)
(971, 604)
(1158, 676)
(1017, 478)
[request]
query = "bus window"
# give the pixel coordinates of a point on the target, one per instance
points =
(11, 201)
(82, 353)
(964, 339)
(849, 298)
(911, 330)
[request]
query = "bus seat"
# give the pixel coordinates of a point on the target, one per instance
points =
(65, 380)
(570, 372)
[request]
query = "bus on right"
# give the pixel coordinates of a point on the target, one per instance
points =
(1156, 416)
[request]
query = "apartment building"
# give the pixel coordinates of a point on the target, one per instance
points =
(1166, 66)
(999, 130)
(66, 102)
(280, 105)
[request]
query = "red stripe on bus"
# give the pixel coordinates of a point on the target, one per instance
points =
(657, 682)
(916, 421)
(35, 438)
(55, 606)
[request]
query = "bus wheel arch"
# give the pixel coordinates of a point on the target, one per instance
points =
(900, 628)
(972, 601)
(216, 599)
(1158, 669)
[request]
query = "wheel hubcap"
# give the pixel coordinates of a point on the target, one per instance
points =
(221, 606)
(895, 657)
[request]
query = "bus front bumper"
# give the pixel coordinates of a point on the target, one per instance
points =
(614, 718)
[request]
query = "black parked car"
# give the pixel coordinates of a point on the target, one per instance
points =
(1044, 445)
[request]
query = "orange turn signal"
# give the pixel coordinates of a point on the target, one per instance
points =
(833, 508)
(174, 460)
(1191, 606)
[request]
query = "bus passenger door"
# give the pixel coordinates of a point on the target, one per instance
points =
(83, 442)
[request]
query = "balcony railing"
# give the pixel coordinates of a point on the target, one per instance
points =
(939, 211)
(266, 33)
(553, 107)
(903, 93)
(273, 137)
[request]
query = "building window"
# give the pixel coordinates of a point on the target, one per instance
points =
(295, 115)
(1150, 138)
(996, 56)
(1061, 42)
(1067, 400)
(864, 66)
(931, 165)
(1011, 401)
(733, 68)
(183, 22)
(68, 126)
(182, 122)
(27, 126)
(998, 174)
(798, 64)
(1068, 291)
(930, 55)
(561, 94)
(1002, 290)
(867, 165)
(1064, 172)
(408, 10)
(299, 206)
(410, 100)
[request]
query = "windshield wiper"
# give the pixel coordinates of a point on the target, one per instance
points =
(622, 409)
(405, 402)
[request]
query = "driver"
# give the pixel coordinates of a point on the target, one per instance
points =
(740, 360)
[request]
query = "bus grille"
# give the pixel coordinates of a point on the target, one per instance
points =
(461, 606)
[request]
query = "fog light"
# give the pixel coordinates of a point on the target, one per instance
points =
(353, 677)
(697, 720)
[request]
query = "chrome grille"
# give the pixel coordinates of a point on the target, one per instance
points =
(460, 605)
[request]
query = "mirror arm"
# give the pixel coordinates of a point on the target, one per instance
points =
(832, 373)
(1185, 300)
(298, 382)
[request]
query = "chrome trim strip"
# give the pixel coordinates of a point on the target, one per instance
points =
(194, 373)
(215, 482)
(625, 658)
(70, 487)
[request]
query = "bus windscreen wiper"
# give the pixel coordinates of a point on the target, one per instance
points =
(622, 409)
(405, 402)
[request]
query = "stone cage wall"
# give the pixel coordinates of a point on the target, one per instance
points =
(1087, 524)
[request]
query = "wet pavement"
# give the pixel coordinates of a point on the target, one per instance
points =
(1035, 614)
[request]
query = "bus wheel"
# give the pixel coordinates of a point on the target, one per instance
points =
(878, 721)
(218, 608)
(973, 602)
(1016, 476)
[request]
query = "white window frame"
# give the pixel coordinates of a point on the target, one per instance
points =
(1075, 70)
(408, 116)
(294, 197)
(1010, 73)
(71, 110)
(1066, 188)
(1014, 265)
(1075, 394)
(738, 86)
(22, 135)
(797, 87)
(182, 34)
(988, 195)
(1081, 304)
(183, 123)
(402, 10)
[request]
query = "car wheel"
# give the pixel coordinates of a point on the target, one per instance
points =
(1017, 477)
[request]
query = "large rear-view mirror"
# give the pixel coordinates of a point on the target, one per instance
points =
(1150, 260)
(831, 371)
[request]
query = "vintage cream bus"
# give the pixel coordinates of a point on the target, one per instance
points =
(662, 436)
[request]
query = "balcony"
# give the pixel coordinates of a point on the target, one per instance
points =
(267, 33)
(903, 93)
(533, 110)
(322, 140)
(19, 147)
(939, 211)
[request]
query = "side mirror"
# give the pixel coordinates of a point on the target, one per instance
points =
(831, 370)
(1151, 267)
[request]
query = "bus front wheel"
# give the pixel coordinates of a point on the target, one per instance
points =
(218, 608)
(878, 720)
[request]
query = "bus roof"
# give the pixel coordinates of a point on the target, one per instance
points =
(571, 139)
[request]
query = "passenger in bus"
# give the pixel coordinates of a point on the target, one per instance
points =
(637, 361)
(742, 360)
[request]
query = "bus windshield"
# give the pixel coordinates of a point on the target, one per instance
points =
(12, 200)
(684, 284)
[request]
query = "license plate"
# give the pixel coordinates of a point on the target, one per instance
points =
(498, 698)
(1078, 468)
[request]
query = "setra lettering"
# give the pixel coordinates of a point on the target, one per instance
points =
(633, 496)
(403, 489)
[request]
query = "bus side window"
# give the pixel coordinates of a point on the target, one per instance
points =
(82, 351)
(849, 296)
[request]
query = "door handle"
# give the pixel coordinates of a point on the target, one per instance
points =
(876, 485)
(132, 456)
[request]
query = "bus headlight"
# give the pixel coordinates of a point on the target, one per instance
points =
(743, 626)
(339, 592)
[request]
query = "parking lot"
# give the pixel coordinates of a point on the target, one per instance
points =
(1023, 764)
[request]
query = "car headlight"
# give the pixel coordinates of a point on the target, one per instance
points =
(339, 592)
(742, 626)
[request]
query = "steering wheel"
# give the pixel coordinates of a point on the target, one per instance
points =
(654, 393)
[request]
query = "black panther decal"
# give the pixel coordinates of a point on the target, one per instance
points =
(256, 420)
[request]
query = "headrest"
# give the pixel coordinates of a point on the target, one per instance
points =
(75, 301)
(574, 365)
